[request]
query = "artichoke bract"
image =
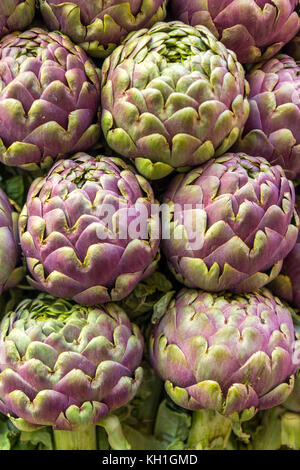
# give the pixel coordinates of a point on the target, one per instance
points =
(225, 352)
(74, 235)
(272, 129)
(253, 29)
(232, 222)
(15, 15)
(65, 365)
(49, 99)
(99, 26)
(172, 97)
(11, 273)
(287, 284)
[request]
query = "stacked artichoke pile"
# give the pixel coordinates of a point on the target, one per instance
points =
(149, 224)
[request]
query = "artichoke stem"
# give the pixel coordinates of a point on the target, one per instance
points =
(209, 430)
(83, 438)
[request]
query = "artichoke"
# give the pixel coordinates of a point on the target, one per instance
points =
(49, 99)
(272, 129)
(172, 97)
(232, 222)
(72, 230)
(10, 273)
(15, 15)
(253, 29)
(67, 366)
(229, 353)
(98, 26)
(287, 284)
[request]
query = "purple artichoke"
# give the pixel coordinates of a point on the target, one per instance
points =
(72, 230)
(253, 29)
(244, 208)
(49, 99)
(10, 273)
(225, 352)
(272, 129)
(99, 26)
(287, 284)
(172, 97)
(15, 15)
(67, 366)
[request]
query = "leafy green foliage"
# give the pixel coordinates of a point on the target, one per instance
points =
(12, 439)
(15, 183)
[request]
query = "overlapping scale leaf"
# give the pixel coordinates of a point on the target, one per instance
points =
(15, 15)
(225, 352)
(49, 99)
(77, 230)
(287, 284)
(172, 97)
(272, 129)
(80, 363)
(11, 271)
(232, 222)
(253, 29)
(98, 27)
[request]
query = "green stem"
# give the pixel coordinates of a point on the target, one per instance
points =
(81, 439)
(114, 431)
(209, 430)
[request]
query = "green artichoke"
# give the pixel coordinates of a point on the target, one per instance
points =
(11, 273)
(254, 29)
(172, 97)
(229, 353)
(49, 99)
(272, 129)
(66, 366)
(98, 26)
(15, 15)
(232, 222)
(74, 231)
